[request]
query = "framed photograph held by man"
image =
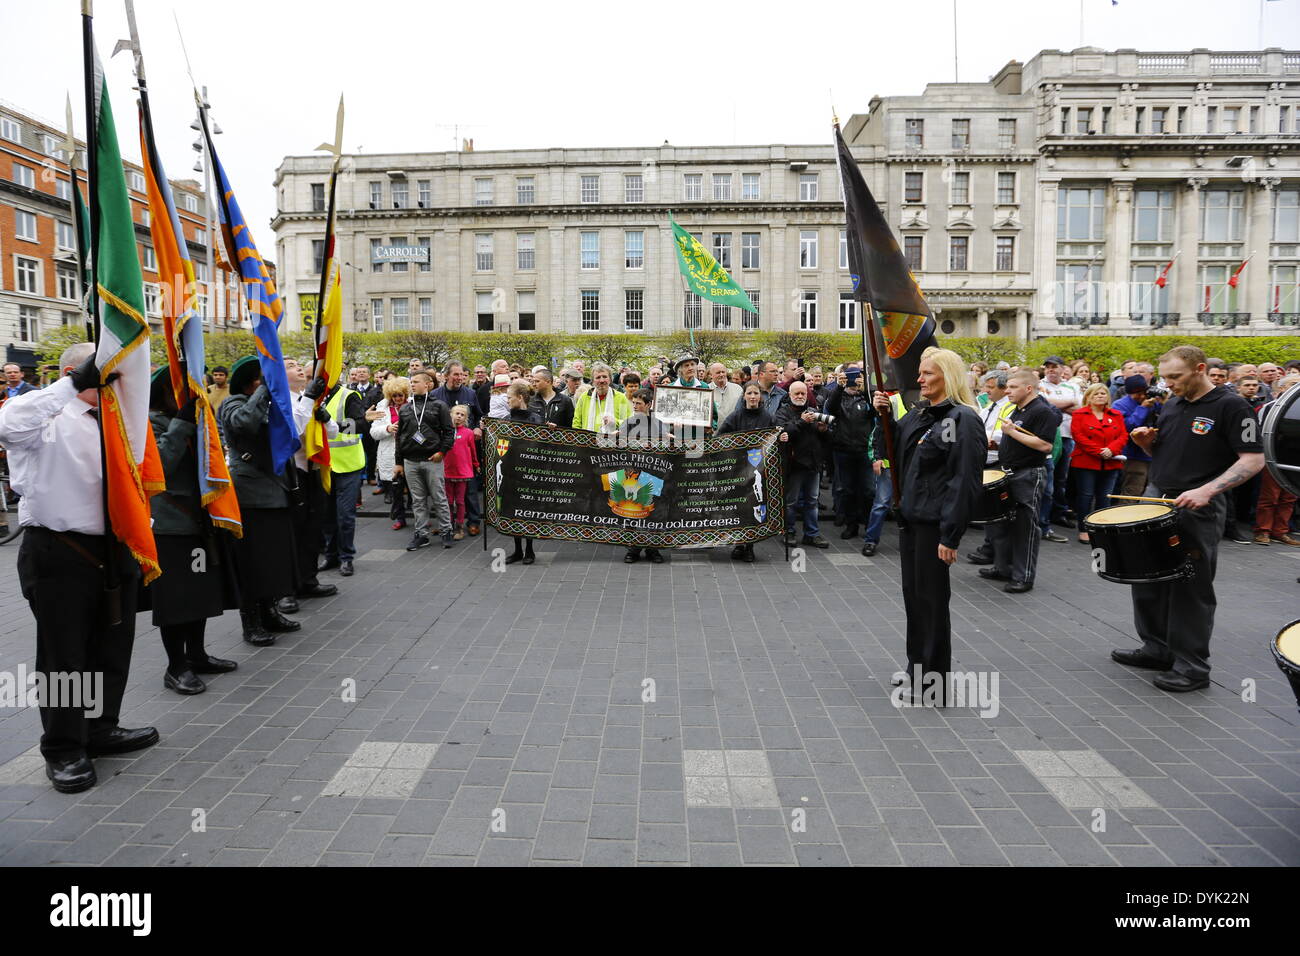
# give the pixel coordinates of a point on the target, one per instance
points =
(679, 405)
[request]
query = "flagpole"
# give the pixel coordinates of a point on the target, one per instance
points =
(78, 236)
(112, 592)
(869, 334)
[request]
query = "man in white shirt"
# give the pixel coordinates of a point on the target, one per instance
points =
(726, 393)
(994, 385)
(1065, 397)
(309, 501)
(52, 437)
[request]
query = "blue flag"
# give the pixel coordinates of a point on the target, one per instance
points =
(264, 307)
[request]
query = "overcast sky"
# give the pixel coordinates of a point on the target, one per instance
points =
(544, 74)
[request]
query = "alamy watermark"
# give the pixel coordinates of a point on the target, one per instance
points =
(78, 690)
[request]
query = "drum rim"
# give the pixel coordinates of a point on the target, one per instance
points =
(1090, 525)
(1286, 663)
(1177, 575)
(1005, 476)
(1268, 434)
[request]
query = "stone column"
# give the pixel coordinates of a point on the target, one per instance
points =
(1186, 298)
(1022, 325)
(558, 284)
(982, 322)
(1253, 285)
(1045, 304)
(1115, 275)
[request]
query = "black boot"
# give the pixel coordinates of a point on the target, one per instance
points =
(273, 620)
(529, 557)
(254, 632)
(519, 552)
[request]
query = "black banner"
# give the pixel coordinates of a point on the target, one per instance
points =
(580, 486)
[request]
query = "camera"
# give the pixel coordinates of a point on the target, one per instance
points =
(1156, 392)
(819, 418)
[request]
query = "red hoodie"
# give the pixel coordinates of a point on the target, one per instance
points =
(1091, 435)
(462, 460)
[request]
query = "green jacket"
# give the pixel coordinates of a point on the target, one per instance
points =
(244, 421)
(581, 410)
(177, 510)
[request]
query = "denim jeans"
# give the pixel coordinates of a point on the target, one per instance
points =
(853, 479)
(341, 514)
(884, 497)
(805, 483)
(1060, 503)
(1092, 488)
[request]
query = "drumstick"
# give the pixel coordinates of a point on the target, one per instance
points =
(1167, 501)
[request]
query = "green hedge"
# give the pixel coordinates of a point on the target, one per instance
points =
(394, 349)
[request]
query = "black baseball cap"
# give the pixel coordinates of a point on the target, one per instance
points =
(1053, 360)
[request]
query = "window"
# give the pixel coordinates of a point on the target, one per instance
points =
(401, 314)
(483, 192)
(377, 314)
(722, 186)
(400, 266)
(633, 310)
(69, 319)
(1217, 296)
(807, 187)
(67, 281)
(912, 246)
(317, 197)
(1005, 254)
(484, 308)
(633, 249)
(1283, 114)
(424, 194)
(24, 176)
(589, 250)
(960, 189)
(525, 251)
(1229, 116)
(137, 181)
(200, 236)
(67, 238)
(692, 186)
(1210, 112)
(807, 310)
(51, 146)
(749, 256)
(914, 187)
(29, 323)
(191, 203)
(10, 130)
(1006, 134)
(633, 188)
(1006, 188)
(27, 272)
(376, 195)
(526, 303)
(590, 189)
(147, 259)
(1144, 295)
(1221, 215)
(1078, 288)
(1081, 213)
(1065, 120)
(808, 250)
(426, 314)
(1182, 119)
(1254, 119)
(914, 133)
(147, 219)
(844, 248)
(749, 185)
(400, 191)
(1158, 119)
(63, 189)
(1286, 215)
(524, 190)
(590, 310)
(201, 271)
(749, 320)
(961, 134)
(1153, 215)
(692, 312)
(426, 243)
(1139, 126)
(1105, 120)
(721, 317)
(483, 252)
(376, 264)
(25, 224)
(958, 250)
(317, 256)
(150, 298)
(1285, 295)
(201, 305)
(1082, 119)
(848, 312)
(722, 249)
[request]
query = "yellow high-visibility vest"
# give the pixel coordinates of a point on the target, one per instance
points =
(346, 451)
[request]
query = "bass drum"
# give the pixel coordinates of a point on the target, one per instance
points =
(1282, 440)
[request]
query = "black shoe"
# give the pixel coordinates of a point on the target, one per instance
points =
(183, 683)
(977, 557)
(121, 740)
(850, 531)
(1064, 521)
(1178, 683)
(654, 556)
(254, 632)
(208, 664)
(1138, 658)
(288, 605)
(1017, 587)
(345, 567)
(529, 557)
(1236, 537)
(318, 590)
(1053, 536)
(749, 554)
(993, 574)
(738, 553)
(328, 565)
(791, 539)
(71, 775)
(869, 549)
(815, 542)
(419, 541)
(447, 538)
(272, 620)
(839, 520)
(519, 556)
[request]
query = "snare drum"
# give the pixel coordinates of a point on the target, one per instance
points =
(1139, 544)
(994, 502)
(1286, 651)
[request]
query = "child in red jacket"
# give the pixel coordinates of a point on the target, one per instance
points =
(1097, 460)
(460, 465)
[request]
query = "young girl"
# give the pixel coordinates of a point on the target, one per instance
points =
(459, 467)
(517, 397)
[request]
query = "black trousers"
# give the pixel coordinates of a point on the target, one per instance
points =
(1175, 619)
(371, 448)
(1015, 542)
(310, 504)
(66, 593)
(926, 593)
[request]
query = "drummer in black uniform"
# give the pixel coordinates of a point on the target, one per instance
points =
(1204, 442)
(1027, 434)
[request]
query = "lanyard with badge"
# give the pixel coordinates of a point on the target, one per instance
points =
(418, 438)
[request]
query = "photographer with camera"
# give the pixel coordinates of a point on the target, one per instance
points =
(855, 419)
(1140, 405)
(803, 482)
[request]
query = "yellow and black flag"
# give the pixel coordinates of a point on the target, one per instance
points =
(881, 278)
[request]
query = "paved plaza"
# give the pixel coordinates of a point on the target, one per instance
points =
(699, 712)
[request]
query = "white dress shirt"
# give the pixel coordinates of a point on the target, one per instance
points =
(54, 459)
(993, 427)
(303, 409)
(1062, 390)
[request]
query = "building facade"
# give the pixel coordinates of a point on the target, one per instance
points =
(1050, 200)
(39, 286)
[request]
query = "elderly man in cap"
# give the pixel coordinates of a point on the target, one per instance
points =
(1138, 411)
